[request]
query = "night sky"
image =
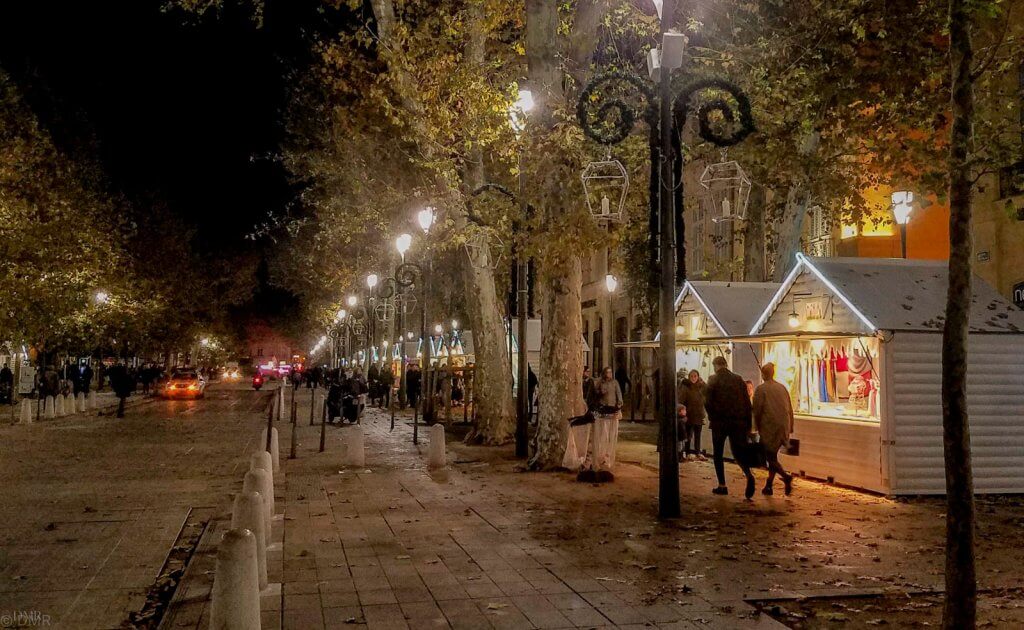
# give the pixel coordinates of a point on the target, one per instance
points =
(184, 111)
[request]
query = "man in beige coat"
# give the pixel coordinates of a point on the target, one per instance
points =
(773, 420)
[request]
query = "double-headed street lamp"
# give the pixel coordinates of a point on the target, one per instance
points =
(609, 120)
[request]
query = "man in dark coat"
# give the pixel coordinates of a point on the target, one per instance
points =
(729, 412)
(413, 384)
(6, 384)
(85, 379)
(122, 384)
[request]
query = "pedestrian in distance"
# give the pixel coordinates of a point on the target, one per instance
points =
(691, 394)
(6, 385)
(622, 376)
(413, 384)
(608, 405)
(86, 379)
(123, 385)
(773, 419)
(729, 412)
(588, 389)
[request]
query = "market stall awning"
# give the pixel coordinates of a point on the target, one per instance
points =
(795, 335)
(680, 343)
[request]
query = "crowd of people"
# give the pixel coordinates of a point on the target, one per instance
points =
(755, 421)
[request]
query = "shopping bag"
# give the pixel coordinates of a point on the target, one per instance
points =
(755, 454)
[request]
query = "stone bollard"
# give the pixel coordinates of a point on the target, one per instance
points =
(49, 408)
(435, 452)
(236, 587)
(258, 480)
(58, 406)
(26, 412)
(69, 404)
(275, 450)
(80, 402)
(91, 402)
(354, 451)
(248, 513)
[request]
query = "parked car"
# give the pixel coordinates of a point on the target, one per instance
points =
(185, 383)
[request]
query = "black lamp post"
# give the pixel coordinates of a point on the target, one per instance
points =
(608, 121)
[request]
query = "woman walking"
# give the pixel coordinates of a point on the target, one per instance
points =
(773, 419)
(691, 396)
(608, 395)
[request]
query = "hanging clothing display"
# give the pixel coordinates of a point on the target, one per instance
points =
(829, 377)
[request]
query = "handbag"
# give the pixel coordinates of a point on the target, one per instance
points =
(578, 421)
(794, 447)
(755, 455)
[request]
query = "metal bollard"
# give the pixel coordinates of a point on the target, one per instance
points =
(236, 588)
(323, 426)
(247, 513)
(295, 428)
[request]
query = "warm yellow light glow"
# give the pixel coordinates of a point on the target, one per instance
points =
(794, 320)
(680, 330)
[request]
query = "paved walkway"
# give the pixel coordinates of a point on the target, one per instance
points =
(393, 545)
(90, 505)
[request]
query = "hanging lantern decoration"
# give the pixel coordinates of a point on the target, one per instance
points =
(385, 311)
(726, 191)
(605, 185)
(484, 250)
(405, 303)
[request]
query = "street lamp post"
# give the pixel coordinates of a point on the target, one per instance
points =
(426, 218)
(608, 120)
(611, 283)
(902, 206)
(517, 115)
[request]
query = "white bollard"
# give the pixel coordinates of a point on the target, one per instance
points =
(247, 513)
(91, 402)
(49, 408)
(258, 480)
(435, 452)
(80, 402)
(26, 412)
(236, 588)
(58, 406)
(275, 449)
(354, 452)
(69, 404)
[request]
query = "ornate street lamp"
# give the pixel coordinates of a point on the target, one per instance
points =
(607, 118)
(902, 206)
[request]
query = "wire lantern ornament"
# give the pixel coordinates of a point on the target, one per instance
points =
(405, 303)
(484, 250)
(726, 191)
(385, 310)
(605, 185)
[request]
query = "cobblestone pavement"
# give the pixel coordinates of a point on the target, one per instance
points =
(393, 545)
(477, 545)
(91, 505)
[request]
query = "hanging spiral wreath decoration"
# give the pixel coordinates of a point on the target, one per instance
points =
(406, 274)
(612, 120)
(740, 106)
